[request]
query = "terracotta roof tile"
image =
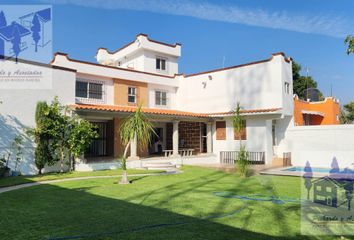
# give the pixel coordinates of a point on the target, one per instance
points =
(169, 112)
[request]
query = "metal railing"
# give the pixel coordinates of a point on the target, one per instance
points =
(229, 157)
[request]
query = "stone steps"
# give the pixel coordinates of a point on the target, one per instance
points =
(159, 165)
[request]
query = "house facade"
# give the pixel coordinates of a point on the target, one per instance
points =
(324, 112)
(192, 114)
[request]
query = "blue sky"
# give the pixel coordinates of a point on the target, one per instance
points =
(310, 31)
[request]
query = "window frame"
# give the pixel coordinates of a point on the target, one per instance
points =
(161, 98)
(132, 94)
(89, 91)
(220, 129)
(287, 87)
(158, 67)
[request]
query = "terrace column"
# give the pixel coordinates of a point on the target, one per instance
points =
(209, 137)
(175, 138)
(133, 149)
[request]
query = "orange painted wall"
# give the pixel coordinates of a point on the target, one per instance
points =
(121, 92)
(329, 107)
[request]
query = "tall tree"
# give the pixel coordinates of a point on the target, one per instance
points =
(349, 40)
(36, 29)
(136, 126)
(16, 40)
(347, 113)
(301, 83)
(43, 154)
(3, 22)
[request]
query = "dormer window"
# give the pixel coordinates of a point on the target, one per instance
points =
(160, 64)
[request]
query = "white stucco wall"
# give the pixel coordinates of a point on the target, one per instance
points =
(171, 96)
(256, 86)
(17, 111)
(108, 89)
(150, 63)
(259, 137)
(320, 145)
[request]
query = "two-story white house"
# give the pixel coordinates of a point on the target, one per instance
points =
(192, 114)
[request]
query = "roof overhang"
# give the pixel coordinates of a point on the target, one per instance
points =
(313, 113)
(166, 113)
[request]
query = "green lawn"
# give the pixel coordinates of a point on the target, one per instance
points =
(11, 181)
(178, 206)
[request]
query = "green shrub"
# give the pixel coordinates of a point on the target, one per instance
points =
(242, 163)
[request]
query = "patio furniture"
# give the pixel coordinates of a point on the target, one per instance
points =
(185, 152)
(168, 153)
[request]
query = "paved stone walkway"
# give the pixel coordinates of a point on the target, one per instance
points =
(26, 185)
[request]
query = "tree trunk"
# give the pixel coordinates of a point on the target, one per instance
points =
(124, 179)
(61, 161)
(40, 171)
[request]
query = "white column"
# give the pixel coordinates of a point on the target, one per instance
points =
(175, 138)
(209, 137)
(133, 149)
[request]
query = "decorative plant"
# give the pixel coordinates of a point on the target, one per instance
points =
(17, 146)
(59, 133)
(241, 160)
(45, 151)
(81, 134)
(136, 126)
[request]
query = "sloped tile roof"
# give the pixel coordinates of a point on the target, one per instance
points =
(168, 112)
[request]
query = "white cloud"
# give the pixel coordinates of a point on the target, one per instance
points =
(324, 24)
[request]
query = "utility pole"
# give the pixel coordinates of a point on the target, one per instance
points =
(307, 83)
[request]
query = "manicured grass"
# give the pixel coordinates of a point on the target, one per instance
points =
(11, 181)
(151, 207)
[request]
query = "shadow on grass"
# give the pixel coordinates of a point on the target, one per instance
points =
(52, 212)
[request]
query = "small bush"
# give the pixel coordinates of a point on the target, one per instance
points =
(242, 161)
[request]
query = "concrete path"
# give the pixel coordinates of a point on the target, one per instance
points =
(26, 185)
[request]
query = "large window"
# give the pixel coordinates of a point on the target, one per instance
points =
(160, 98)
(160, 64)
(131, 94)
(89, 90)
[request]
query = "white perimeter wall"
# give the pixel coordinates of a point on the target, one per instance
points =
(320, 145)
(17, 111)
(257, 86)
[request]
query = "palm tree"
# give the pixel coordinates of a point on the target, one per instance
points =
(239, 126)
(136, 126)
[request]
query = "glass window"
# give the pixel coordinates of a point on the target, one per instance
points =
(131, 94)
(89, 90)
(81, 89)
(95, 91)
(287, 88)
(161, 98)
(160, 64)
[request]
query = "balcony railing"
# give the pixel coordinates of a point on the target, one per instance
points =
(229, 157)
